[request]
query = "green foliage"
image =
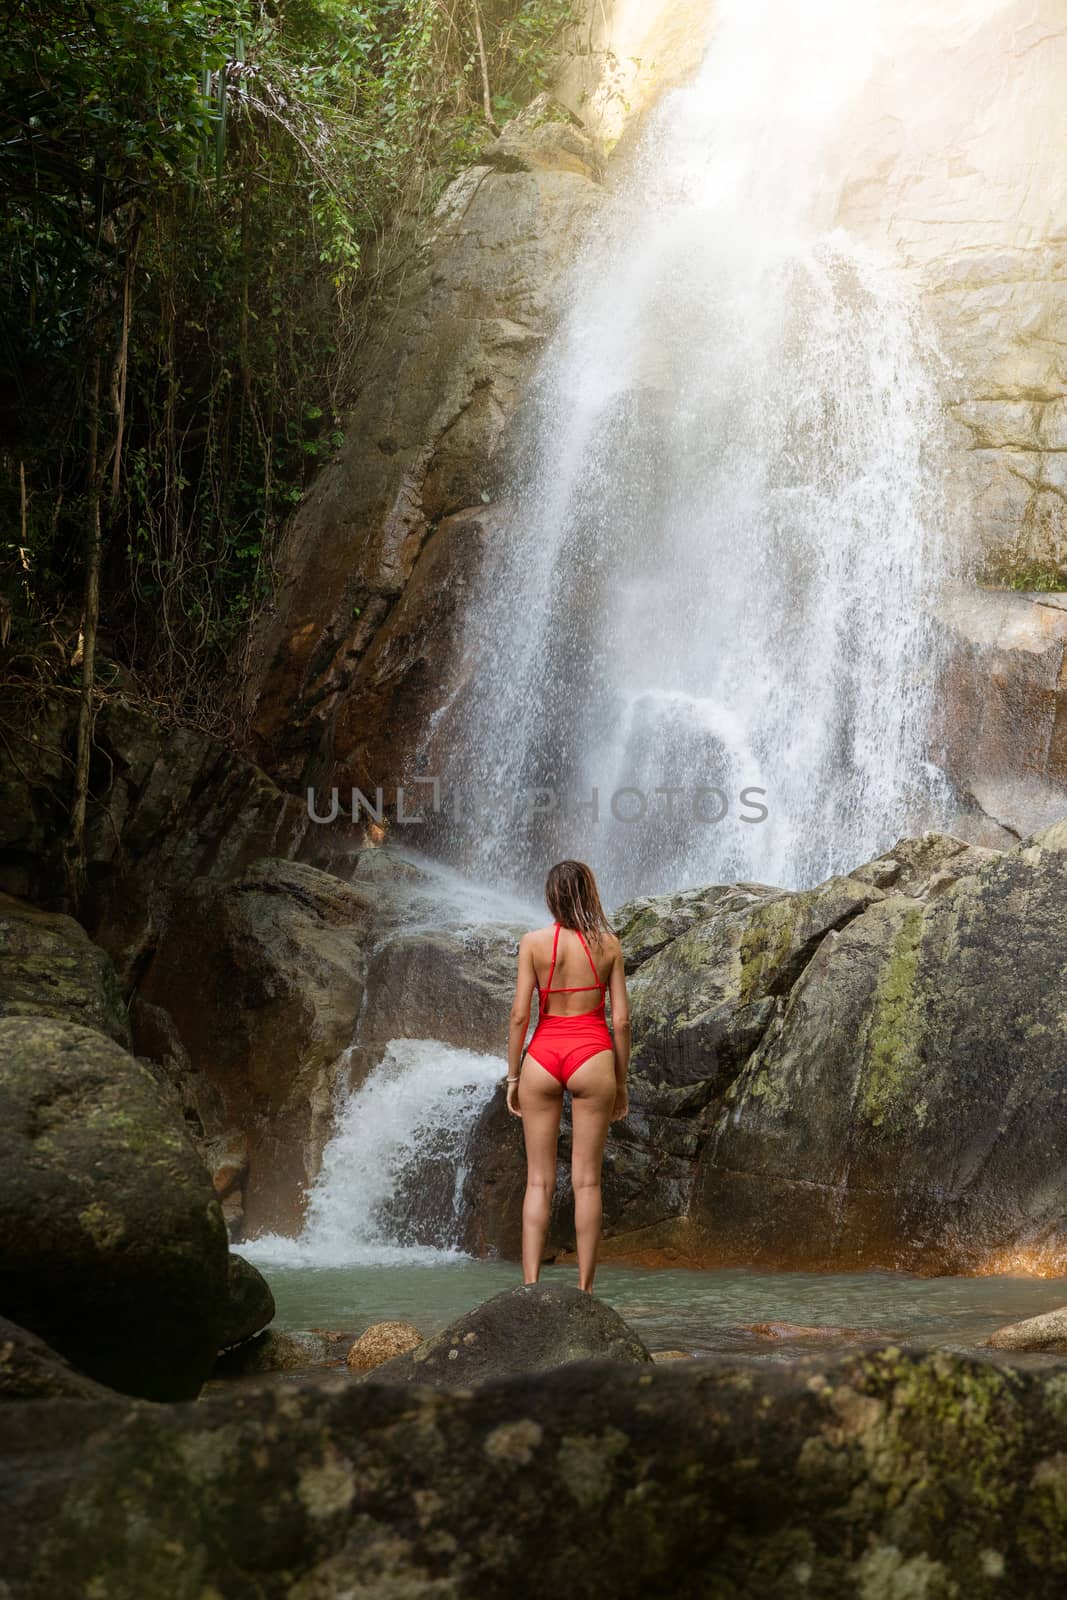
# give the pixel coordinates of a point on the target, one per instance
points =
(204, 197)
(1027, 575)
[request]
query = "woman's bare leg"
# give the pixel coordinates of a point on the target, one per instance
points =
(592, 1102)
(541, 1102)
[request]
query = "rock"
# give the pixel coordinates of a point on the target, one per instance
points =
(799, 1331)
(166, 805)
(904, 1111)
(889, 1473)
(273, 1351)
(532, 1328)
(1003, 717)
(443, 375)
(226, 1159)
(249, 1303)
(264, 979)
(31, 1370)
(381, 1342)
(922, 178)
(1046, 1332)
(700, 1005)
(923, 867)
(453, 984)
(542, 134)
(670, 1355)
(112, 1244)
(196, 1098)
(49, 967)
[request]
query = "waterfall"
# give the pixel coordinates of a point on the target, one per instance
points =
(725, 526)
(392, 1176)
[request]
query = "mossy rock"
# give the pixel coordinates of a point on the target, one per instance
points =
(906, 1109)
(112, 1244)
(882, 1476)
(50, 967)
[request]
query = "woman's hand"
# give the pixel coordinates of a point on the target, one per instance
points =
(513, 1098)
(622, 1103)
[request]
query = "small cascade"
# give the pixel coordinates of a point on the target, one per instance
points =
(392, 1177)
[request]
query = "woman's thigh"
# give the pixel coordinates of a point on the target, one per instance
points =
(541, 1102)
(592, 1089)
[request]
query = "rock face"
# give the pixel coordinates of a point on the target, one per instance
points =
(166, 805)
(263, 977)
(112, 1244)
(49, 967)
(283, 986)
(533, 1328)
(1003, 718)
(948, 161)
(456, 347)
(904, 1106)
(881, 1475)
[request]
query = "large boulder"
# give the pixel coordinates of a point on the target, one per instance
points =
(264, 978)
(112, 1244)
(905, 1110)
(879, 1476)
(531, 1328)
(50, 967)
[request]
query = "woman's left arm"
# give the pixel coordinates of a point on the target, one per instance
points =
(519, 1021)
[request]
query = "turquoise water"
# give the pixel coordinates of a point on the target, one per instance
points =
(697, 1311)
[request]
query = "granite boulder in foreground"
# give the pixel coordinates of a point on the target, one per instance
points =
(532, 1328)
(881, 1476)
(112, 1244)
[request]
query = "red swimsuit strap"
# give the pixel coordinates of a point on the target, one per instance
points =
(542, 992)
(576, 988)
(592, 963)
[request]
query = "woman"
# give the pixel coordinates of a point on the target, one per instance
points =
(571, 1048)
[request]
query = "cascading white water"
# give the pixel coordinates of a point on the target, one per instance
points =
(728, 523)
(392, 1175)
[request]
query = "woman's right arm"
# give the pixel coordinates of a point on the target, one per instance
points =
(620, 1028)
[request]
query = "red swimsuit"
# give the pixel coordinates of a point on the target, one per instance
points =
(561, 1044)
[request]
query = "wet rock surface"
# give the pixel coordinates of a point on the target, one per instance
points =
(249, 1302)
(112, 1244)
(528, 1329)
(263, 978)
(888, 1474)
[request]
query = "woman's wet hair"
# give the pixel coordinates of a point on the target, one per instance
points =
(572, 897)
